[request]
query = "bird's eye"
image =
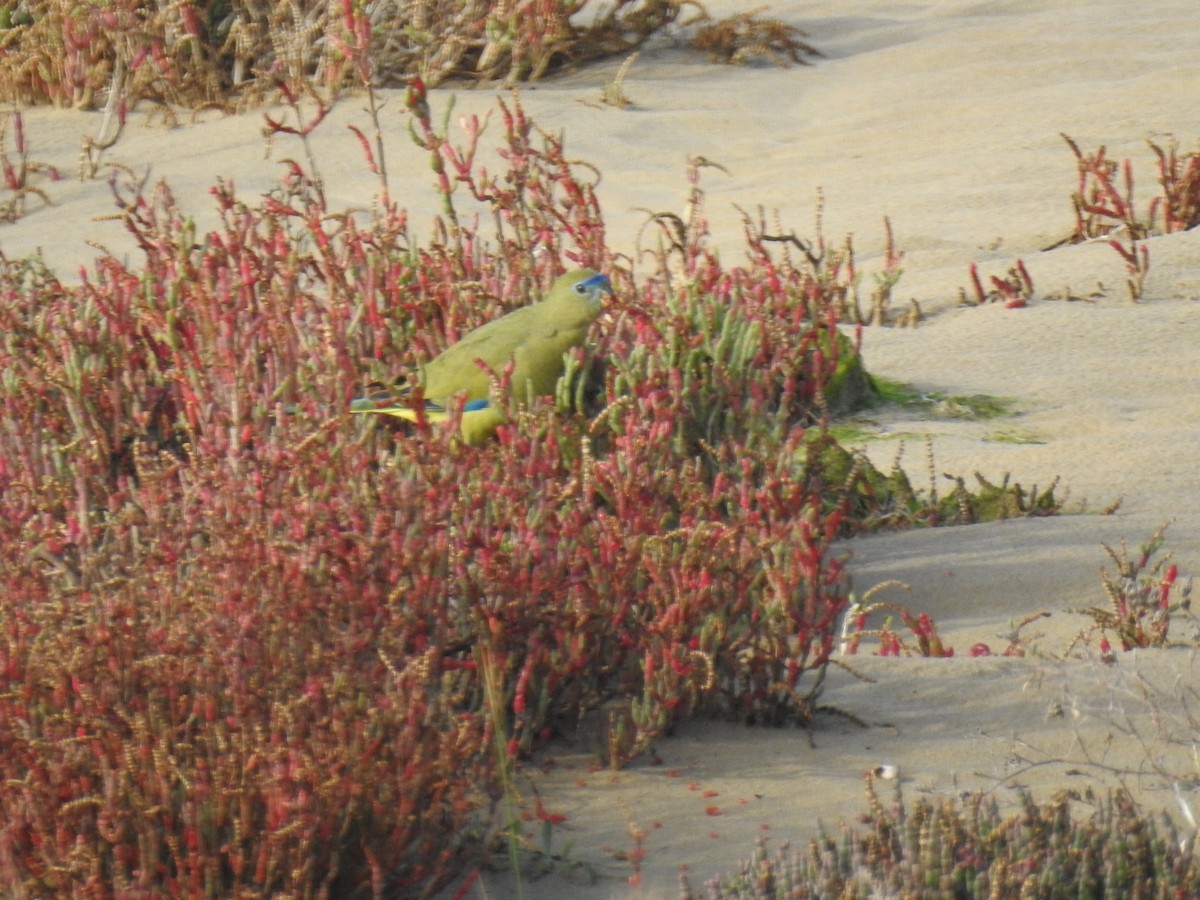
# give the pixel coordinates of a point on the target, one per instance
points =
(580, 287)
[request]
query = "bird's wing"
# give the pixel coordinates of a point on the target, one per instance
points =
(455, 370)
(539, 359)
(527, 335)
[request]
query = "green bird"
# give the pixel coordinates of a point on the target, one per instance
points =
(534, 338)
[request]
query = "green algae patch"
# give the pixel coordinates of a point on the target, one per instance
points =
(938, 405)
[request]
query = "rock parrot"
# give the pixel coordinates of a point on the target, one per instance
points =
(534, 337)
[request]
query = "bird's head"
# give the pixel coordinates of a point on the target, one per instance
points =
(585, 285)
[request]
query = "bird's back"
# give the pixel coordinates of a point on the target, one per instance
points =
(455, 370)
(535, 336)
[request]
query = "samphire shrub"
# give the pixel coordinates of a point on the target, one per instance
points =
(244, 635)
(968, 848)
(232, 52)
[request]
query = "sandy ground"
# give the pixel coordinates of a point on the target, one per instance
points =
(944, 116)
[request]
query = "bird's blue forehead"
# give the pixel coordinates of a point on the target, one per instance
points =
(597, 281)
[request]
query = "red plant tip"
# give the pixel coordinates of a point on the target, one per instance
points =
(980, 649)
(544, 816)
(1164, 589)
(1025, 277)
(191, 19)
(416, 99)
(288, 95)
(975, 282)
(1125, 254)
(1015, 304)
